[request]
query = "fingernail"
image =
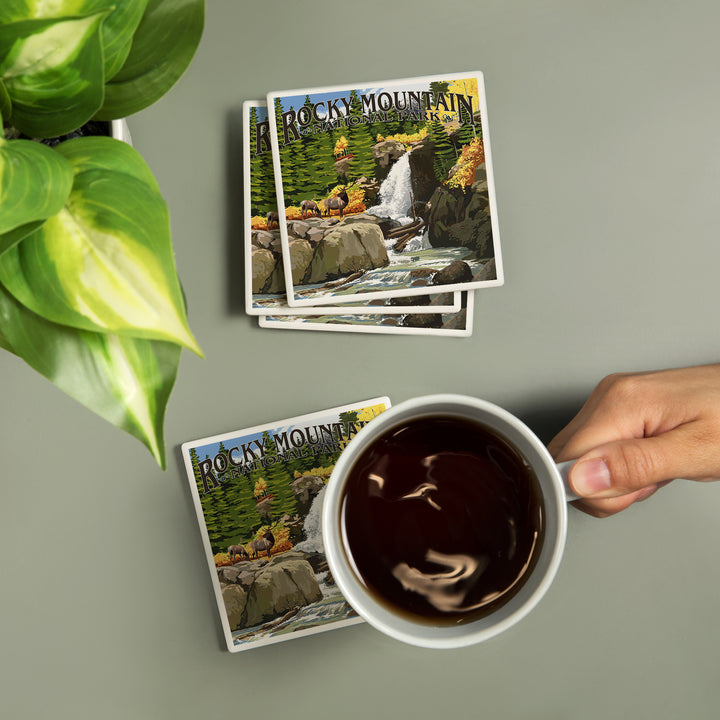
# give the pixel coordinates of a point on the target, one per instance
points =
(590, 477)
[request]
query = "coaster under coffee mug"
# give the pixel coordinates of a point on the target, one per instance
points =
(444, 521)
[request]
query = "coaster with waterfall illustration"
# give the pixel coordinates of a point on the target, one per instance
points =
(258, 495)
(264, 278)
(454, 324)
(403, 169)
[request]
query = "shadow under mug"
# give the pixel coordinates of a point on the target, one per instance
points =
(554, 487)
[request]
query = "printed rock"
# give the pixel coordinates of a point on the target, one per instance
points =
(257, 591)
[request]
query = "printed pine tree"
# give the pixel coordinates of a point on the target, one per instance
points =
(360, 141)
(252, 129)
(243, 517)
(316, 151)
(222, 450)
(403, 125)
(325, 459)
(348, 419)
(302, 465)
(262, 190)
(229, 510)
(195, 462)
(231, 521)
(278, 479)
(437, 87)
(293, 178)
(384, 128)
(445, 153)
(213, 506)
(467, 132)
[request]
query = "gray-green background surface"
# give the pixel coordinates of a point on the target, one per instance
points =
(604, 127)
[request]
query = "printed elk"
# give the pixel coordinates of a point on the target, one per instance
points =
(237, 551)
(339, 202)
(309, 207)
(263, 544)
(272, 218)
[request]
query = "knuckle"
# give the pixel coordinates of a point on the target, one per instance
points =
(626, 389)
(703, 451)
(608, 382)
(633, 468)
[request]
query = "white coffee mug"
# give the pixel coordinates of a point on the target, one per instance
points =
(555, 490)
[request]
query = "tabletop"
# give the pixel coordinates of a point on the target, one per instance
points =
(603, 124)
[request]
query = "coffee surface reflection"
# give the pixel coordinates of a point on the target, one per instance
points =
(442, 520)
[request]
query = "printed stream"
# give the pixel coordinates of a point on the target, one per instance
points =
(396, 203)
(330, 609)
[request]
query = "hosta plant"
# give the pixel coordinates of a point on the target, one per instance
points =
(89, 292)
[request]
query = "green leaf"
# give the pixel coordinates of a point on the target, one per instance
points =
(35, 182)
(105, 261)
(53, 73)
(5, 105)
(125, 380)
(12, 238)
(13, 10)
(117, 30)
(163, 46)
(108, 154)
(4, 342)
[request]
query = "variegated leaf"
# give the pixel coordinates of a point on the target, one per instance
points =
(117, 30)
(5, 105)
(4, 342)
(163, 46)
(35, 182)
(53, 73)
(12, 238)
(105, 261)
(125, 380)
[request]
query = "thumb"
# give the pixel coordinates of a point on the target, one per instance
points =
(625, 466)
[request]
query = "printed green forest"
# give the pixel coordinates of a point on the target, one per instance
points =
(310, 165)
(243, 506)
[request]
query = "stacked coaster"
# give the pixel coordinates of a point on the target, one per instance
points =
(370, 208)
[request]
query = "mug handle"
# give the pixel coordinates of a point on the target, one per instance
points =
(564, 470)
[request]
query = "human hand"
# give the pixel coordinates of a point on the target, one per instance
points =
(637, 432)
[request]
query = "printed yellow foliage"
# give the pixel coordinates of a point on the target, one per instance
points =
(356, 196)
(370, 412)
(471, 157)
(341, 145)
(280, 532)
(283, 546)
(468, 87)
(318, 471)
(260, 487)
(257, 222)
(451, 118)
(282, 536)
(405, 139)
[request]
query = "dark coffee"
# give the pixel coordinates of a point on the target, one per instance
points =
(442, 520)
